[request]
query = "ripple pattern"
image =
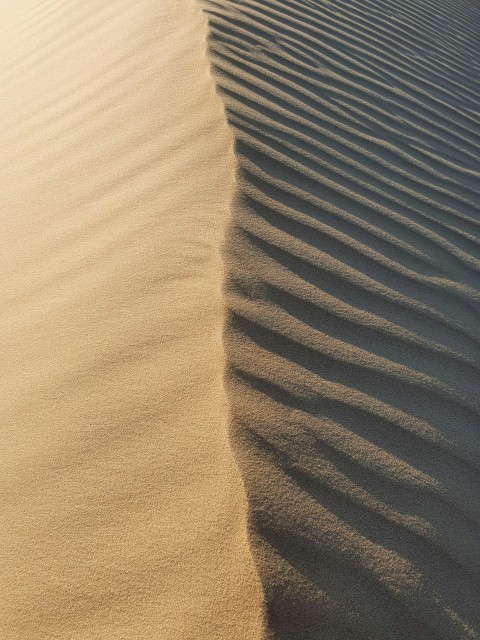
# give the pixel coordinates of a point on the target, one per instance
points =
(353, 335)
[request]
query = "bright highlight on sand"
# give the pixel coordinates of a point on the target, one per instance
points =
(124, 514)
(239, 320)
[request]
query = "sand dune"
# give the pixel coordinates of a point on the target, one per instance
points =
(350, 349)
(353, 339)
(122, 511)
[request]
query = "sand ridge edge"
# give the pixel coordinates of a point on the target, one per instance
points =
(122, 509)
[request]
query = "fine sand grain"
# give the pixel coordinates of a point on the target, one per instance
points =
(349, 181)
(353, 338)
(122, 512)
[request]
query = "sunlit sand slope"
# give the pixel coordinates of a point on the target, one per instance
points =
(354, 329)
(122, 512)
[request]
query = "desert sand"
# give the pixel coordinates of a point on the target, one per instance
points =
(353, 338)
(239, 320)
(123, 513)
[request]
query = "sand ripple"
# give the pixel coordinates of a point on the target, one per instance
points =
(353, 338)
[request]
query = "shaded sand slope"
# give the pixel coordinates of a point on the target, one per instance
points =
(354, 328)
(122, 513)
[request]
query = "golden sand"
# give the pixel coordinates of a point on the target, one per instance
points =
(295, 292)
(123, 515)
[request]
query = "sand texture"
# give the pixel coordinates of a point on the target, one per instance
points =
(122, 512)
(239, 320)
(353, 337)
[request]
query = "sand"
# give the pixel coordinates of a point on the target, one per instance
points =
(239, 320)
(123, 515)
(353, 339)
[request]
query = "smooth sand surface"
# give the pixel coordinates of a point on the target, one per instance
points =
(122, 511)
(354, 330)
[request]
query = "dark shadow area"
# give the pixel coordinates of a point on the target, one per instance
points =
(353, 330)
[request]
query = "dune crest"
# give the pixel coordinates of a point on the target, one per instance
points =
(123, 515)
(353, 339)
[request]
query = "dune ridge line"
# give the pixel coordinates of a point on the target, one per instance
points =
(123, 515)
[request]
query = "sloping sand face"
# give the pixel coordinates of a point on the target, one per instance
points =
(354, 332)
(122, 511)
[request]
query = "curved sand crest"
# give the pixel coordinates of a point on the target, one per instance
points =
(123, 514)
(354, 331)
